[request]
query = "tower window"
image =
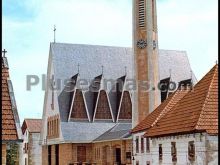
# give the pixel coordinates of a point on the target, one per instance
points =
(141, 13)
(153, 14)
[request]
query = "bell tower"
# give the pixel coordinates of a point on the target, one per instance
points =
(145, 51)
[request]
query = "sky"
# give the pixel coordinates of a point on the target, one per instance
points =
(27, 28)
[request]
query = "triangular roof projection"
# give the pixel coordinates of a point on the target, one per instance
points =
(196, 112)
(125, 109)
(103, 109)
(78, 110)
(10, 119)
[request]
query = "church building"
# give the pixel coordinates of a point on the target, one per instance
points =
(96, 94)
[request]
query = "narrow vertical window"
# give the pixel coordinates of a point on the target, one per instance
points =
(48, 128)
(52, 83)
(25, 161)
(147, 145)
(153, 14)
(173, 151)
(142, 144)
(141, 13)
(137, 144)
(191, 151)
(160, 152)
(137, 162)
(57, 128)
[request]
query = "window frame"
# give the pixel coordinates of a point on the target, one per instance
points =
(137, 144)
(160, 152)
(191, 151)
(173, 152)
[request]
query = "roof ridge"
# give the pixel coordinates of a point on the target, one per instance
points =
(207, 95)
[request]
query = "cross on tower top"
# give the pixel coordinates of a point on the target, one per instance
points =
(4, 52)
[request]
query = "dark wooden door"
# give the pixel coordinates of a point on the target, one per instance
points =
(118, 155)
(81, 154)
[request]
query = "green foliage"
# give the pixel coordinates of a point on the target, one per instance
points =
(12, 154)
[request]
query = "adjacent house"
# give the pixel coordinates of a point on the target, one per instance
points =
(183, 129)
(11, 131)
(31, 148)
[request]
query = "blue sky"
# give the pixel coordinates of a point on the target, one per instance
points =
(189, 25)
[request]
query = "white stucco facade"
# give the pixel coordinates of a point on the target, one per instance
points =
(206, 150)
(33, 156)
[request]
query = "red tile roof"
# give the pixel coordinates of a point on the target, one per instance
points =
(196, 112)
(160, 111)
(33, 125)
(9, 131)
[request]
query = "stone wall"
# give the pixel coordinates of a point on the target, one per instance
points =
(35, 149)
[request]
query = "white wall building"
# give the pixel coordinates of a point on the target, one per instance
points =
(31, 148)
(205, 150)
(183, 129)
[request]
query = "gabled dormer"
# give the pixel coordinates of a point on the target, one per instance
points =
(102, 109)
(78, 109)
(125, 104)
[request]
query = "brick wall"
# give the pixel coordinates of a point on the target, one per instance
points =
(105, 152)
(44, 155)
(68, 153)
(3, 154)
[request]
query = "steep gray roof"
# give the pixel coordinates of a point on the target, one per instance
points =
(118, 132)
(91, 58)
